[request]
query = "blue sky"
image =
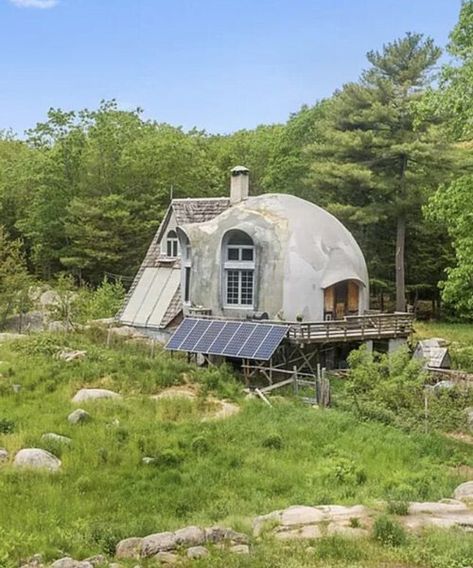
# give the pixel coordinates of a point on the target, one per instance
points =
(220, 65)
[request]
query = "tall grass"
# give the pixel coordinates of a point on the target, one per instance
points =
(204, 471)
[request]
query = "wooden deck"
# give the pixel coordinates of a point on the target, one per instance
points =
(353, 328)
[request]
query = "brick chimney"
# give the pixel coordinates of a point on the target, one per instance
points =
(239, 185)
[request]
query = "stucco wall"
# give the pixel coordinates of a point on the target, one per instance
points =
(300, 249)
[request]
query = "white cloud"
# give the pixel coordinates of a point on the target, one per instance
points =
(42, 4)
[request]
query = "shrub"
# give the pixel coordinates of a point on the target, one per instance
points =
(400, 508)
(7, 426)
(169, 458)
(200, 445)
(388, 531)
(273, 441)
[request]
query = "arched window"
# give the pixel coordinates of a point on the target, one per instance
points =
(172, 244)
(239, 269)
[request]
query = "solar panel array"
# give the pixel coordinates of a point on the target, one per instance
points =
(242, 340)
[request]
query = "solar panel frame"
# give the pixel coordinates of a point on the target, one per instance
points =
(228, 338)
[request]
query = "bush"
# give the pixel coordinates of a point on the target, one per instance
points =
(7, 426)
(400, 508)
(388, 531)
(273, 441)
(200, 445)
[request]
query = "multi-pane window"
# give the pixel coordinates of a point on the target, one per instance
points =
(172, 244)
(239, 269)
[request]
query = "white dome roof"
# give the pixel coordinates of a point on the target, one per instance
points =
(313, 234)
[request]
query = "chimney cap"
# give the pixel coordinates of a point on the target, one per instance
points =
(238, 170)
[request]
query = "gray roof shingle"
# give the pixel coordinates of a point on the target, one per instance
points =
(199, 210)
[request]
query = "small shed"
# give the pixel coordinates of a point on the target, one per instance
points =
(435, 353)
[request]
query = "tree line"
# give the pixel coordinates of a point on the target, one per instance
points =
(389, 155)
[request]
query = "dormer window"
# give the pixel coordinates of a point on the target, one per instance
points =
(239, 269)
(172, 245)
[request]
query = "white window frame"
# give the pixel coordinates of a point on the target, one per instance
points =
(240, 266)
(172, 245)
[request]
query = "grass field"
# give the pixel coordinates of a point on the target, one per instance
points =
(207, 471)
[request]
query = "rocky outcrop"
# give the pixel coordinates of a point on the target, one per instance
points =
(314, 522)
(86, 395)
(447, 513)
(35, 458)
(129, 548)
(68, 562)
(191, 537)
(464, 492)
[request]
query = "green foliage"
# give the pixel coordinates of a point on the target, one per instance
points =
(103, 302)
(388, 531)
(14, 279)
(400, 508)
(205, 471)
(7, 426)
(452, 205)
(273, 442)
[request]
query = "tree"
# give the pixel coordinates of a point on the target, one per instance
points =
(452, 205)
(379, 157)
(14, 278)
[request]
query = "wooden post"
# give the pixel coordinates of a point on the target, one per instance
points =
(294, 378)
(109, 335)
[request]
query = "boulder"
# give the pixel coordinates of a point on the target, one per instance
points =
(159, 542)
(129, 548)
(68, 562)
(35, 458)
(218, 534)
(85, 395)
(56, 438)
(167, 558)
(69, 355)
(195, 552)
(464, 492)
(3, 456)
(79, 416)
(97, 560)
(240, 549)
(148, 460)
(190, 536)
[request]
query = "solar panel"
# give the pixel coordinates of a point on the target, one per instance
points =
(254, 341)
(198, 330)
(181, 333)
(271, 342)
(221, 342)
(243, 340)
(215, 328)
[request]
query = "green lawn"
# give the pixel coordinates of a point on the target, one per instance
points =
(207, 471)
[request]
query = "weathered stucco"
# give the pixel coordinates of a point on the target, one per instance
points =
(300, 250)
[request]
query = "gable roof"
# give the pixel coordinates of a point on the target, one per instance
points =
(186, 211)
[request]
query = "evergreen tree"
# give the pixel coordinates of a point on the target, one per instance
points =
(379, 156)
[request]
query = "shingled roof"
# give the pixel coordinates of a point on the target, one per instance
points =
(190, 210)
(199, 210)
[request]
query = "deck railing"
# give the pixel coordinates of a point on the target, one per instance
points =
(369, 326)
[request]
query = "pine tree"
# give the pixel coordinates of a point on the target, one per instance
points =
(379, 156)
